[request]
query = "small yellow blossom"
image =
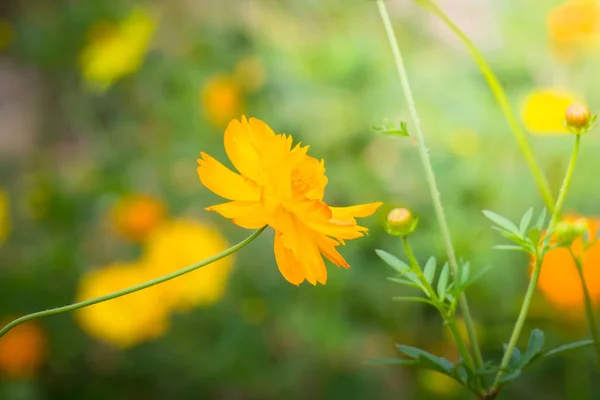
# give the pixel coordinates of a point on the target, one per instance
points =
(251, 74)
(125, 321)
(574, 26)
(135, 216)
(176, 244)
(4, 216)
(115, 50)
(543, 111)
(22, 350)
(559, 280)
(282, 187)
(222, 99)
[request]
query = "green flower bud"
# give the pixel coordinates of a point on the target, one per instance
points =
(400, 222)
(566, 232)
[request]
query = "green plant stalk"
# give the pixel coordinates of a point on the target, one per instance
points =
(448, 320)
(503, 102)
(134, 288)
(516, 333)
(430, 177)
(589, 308)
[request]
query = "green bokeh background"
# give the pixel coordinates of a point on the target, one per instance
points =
(329, 78)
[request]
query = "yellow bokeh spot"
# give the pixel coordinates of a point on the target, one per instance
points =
(437, 384)
(543, 111)
(464, 143)
(221, 99)
(136, 216)
(115, 50)
(251, 74)
(4, 216)
(127, 320)
(176, 244)
(22, 350)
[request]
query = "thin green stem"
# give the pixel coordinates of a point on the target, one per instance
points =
(589, 308)
(502, 100)
(516, 333)
(430, 177)
(135, 288)
(416, 268)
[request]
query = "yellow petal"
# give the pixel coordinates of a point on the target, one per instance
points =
(289, 267)
(243, 142)
(247, 214)
(224, 182)
(327, 246)
(348, 214)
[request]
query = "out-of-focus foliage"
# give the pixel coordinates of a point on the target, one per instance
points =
(104, 107)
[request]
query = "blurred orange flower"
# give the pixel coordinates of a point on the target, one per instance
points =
(22, 350)
(574, 26)
(115, 50)
(135, 216)
(222, 99)
(559, 280)
(127, 320)
(282, 187)
(177, 244)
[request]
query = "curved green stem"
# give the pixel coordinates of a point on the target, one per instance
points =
(589, 307)
(516, 333)
(502, 100)
(135, 288)
(448, 320)
(430, 177)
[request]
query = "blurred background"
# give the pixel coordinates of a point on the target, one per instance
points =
(105, 106)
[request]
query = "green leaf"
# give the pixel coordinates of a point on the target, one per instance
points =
(565, 347)
(508, 247)
(427, 360)
(429, 270)
(478, 275)
(514, 357)
(388, 128)
(414, 299)
(510, 376)
(406, 282)
(465, 273)
(442, 284)
(536, 342)
(501, 222)
(525, 221)
(534, 235)
(393, 261)
(541, 220)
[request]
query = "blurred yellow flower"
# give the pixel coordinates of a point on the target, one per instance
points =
(573, 26)
(177, 244)
(135, 216)
(464, 143)
(127, 320)
(282, 187)
(4, 216)
(559, 280)
(115, 50)
(22, 350)
(543, 111)
(437, 384)
(6, 34)
(222, 99)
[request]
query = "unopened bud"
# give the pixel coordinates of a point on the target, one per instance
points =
(400, 222)
(578, 118)
(566, 232)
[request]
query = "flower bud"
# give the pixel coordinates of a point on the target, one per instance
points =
(566, 232)
(400, 222)
(578, 118)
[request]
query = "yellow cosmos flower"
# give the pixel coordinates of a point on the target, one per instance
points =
(4, 216)
(574, 26)
(543, 111)
(22, 350)
(559, 280)
(281, 186)
(127, 320)
(115, 50)
(222, 99)
(177, 244)
(135, 216)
